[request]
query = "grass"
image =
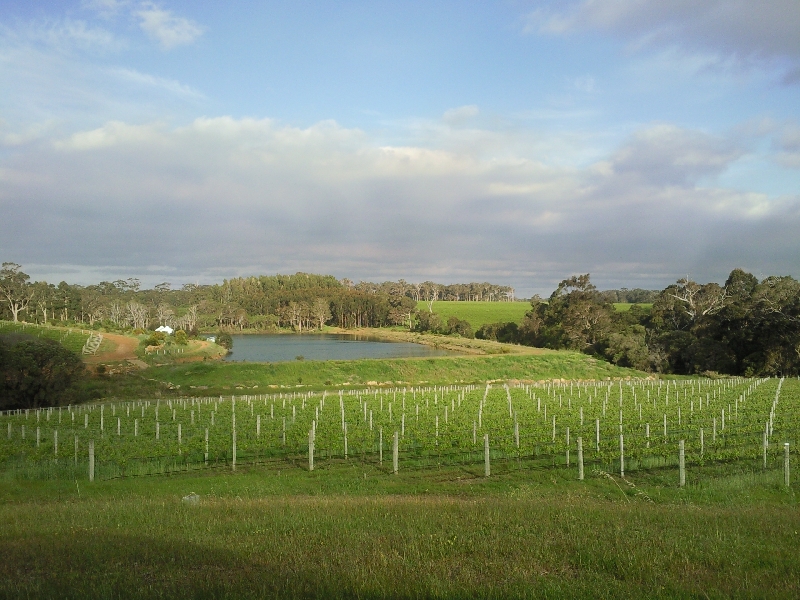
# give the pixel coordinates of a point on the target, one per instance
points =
(217, 377)
(479, 313)
(351, 531)
(626, 306)
(71, 338)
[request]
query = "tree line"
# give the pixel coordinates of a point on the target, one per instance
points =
(744, 327)
(299, 302)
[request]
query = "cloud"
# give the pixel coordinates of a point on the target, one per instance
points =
(739, 29)
(64, 35)
(169, 30)
(669, 155)
(458, 115)
(224, 196)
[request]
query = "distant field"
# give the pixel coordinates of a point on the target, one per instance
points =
(480, 313)
(626, 306)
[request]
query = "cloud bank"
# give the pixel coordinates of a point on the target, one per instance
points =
(224, 196)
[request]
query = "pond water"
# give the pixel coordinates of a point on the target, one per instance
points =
(323, 346)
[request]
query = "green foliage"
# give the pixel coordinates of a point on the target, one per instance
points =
(225, 340)
(181, 338)
(36, 372)
(156, 339)
(507, 333)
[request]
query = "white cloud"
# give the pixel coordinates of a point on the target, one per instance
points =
(458, 115)
(222, 196)
(169, 30)
(742, 30)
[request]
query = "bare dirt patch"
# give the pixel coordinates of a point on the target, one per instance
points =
(124, 349)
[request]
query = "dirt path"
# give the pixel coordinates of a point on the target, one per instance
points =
(125, 349)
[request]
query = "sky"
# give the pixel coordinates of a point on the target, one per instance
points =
(515, 142)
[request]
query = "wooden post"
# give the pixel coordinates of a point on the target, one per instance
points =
(179, 434)
(310, 449)
(786, 464)
(621, 456)
(345, 440)
(158, 430)
(380, 445)
(258, 426)
(597, 434)
(682, 463)
(76, 450)
(91, 460)
(136, 428)
(206, 453)
(38, 434)
(580, 459)
(487, 470)
(395, 453)
(702, 443)
(764, 447)
(55, 442)
(233, 441)
(567, 447)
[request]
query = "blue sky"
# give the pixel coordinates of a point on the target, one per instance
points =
(516, 142)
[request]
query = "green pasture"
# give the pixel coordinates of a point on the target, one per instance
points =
(479, 313)
(439, 527)
(223, 377)
(71, 338)
(626, 306)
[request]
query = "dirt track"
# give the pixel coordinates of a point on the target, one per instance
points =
(125, 349)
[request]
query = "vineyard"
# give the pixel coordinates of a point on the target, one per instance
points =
(71, 338)
(610, 426)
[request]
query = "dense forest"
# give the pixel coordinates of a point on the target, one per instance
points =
(300, 302)
(746, 326)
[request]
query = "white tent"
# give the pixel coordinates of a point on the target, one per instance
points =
(166, 329)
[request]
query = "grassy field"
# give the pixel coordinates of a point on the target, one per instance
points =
(479, 313)
(626, 306)
(359, 532)
(439, 527)
(221, 378)
(71, 338)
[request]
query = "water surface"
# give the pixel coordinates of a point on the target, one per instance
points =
(323, 346)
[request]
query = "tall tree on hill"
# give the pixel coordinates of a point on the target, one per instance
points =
(15, 289)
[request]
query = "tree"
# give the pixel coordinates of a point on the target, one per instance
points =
(138, 315)
(15, 289)
(36, 372)
(321, 311)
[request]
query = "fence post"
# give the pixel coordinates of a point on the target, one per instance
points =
(206, 453)
(764, 448)
(380, 445)
(786, 464)
(310, 449)
(395, 453)
(487, 470)
(681, 463)
(580, 459)
(55, 442)
(91, 460)
(621, 456)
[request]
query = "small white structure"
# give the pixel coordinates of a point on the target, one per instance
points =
(166, 329)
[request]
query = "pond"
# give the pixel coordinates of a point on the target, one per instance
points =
(323, 346)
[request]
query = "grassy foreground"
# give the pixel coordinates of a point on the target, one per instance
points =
(356, 531)
(218, 377)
